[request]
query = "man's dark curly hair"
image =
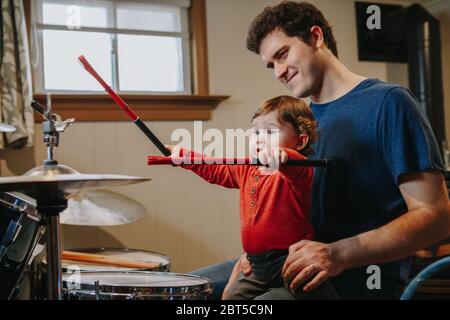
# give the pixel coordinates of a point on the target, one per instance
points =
(295, 19)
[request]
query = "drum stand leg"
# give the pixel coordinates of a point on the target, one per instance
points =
(51, 219)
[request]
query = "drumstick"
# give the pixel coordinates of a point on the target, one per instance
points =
(134, 117)
(157, 160)
(118, 100)
(106, 260)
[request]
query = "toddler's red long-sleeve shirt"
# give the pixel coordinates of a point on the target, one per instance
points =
(274, 208)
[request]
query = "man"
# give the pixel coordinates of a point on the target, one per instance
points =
(386, 198)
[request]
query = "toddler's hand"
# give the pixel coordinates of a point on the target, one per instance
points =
(272, 158)
(176, 153)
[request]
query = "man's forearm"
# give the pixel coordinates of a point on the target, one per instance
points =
(400, 238)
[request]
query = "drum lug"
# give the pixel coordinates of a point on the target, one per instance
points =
(23, 207)
(135, 295)
(97, 290)
(196, 292)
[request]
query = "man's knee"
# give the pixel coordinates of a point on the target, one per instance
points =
(281, 293)
(234, 292)
(325, 291)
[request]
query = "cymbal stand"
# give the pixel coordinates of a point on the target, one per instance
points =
(51, 202)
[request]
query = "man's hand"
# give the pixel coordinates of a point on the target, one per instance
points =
(242, 266)
(310, 263)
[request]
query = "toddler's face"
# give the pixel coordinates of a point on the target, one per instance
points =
(267, 131)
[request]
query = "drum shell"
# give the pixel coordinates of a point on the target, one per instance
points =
(40, 279)
(21, 229)
(87, 291)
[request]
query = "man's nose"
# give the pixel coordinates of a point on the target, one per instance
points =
(280, 72)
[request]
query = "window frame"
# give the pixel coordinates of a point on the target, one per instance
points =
(39, 81)
(196, 106)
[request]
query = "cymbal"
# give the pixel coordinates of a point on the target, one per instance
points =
(38, 182)
(6, 127)
(101, 208)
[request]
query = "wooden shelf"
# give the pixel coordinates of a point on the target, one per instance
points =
(100, 107)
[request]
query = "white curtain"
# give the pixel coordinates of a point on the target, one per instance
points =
(15, 77)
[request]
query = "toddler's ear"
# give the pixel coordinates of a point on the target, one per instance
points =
(303, 140)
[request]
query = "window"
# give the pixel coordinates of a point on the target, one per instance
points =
(85, 100)
(137, 46)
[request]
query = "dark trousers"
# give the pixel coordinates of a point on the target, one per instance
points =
(266, 282)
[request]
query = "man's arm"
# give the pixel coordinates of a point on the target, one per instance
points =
(426, 222)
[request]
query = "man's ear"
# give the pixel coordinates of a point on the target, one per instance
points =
(316, 37)
(302, 141)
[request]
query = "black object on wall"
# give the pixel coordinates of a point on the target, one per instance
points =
(409, 35)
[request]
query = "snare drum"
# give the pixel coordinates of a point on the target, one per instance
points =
(20, 232)
(40, 280)
(135, 285)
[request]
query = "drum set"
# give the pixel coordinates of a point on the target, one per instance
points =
(33, 205)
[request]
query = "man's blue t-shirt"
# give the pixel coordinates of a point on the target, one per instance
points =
(375, 132)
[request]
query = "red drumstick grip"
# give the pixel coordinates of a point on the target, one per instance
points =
(195, 159)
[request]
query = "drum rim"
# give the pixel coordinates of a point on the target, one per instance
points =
(17, 201)
(199, 289)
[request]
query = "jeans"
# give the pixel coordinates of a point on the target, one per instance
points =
(264, 283)
(218, 274)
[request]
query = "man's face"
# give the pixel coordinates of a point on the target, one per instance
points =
(294, 62)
